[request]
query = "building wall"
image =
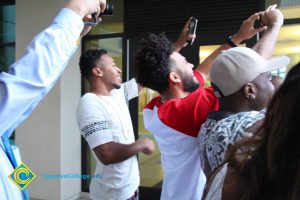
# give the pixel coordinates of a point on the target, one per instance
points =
(49, 139)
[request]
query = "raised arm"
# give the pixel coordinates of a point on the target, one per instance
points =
(273, 19)
(31, 77)
(246, 31)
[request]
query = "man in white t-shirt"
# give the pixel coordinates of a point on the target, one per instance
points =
(104, 120)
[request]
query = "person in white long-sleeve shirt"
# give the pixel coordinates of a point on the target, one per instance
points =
(30, 78)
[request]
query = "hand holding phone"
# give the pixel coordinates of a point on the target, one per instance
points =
(192, 28)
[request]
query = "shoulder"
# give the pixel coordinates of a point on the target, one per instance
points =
(88, 97)
(154, 102)
(246, 119)
(89, 104)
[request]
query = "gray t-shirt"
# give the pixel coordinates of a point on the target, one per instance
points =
(220, 130)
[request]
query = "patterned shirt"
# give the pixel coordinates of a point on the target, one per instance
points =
(220, 130)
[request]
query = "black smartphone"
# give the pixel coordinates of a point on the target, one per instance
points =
(192, 28)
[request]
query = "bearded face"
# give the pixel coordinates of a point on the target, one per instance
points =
(190, 84)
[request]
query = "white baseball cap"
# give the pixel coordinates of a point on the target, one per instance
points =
(235, 67)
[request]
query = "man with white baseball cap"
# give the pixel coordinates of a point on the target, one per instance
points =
(241, 79)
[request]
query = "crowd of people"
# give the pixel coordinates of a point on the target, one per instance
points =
(236, 139)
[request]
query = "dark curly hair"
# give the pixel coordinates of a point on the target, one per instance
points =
(152, 62)
(88, 61)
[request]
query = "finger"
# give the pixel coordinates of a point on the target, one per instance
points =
(254, 17)
(188, 23)
(102, 5)
(98, 12)
(269, 8)
(273, 7)
(260, 29)
(260, 13)
(86, 18)
(192, 37)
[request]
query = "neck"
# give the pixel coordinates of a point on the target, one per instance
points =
(99, 88)
(173, 94)
(234, 105)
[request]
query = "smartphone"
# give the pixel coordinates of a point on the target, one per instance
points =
(192, 28)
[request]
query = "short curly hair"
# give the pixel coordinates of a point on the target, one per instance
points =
(88, 61)
(152, 62)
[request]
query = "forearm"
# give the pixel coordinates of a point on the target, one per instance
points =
(113, 152)
(266, 44)
(205, 67)
(48, 53)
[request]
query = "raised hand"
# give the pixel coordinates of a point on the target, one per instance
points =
(184, 36)
(247, 29)
(272, 16)
(86, 7)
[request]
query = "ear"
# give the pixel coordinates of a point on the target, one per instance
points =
(174, 77)
(250, 91)
(97, 71)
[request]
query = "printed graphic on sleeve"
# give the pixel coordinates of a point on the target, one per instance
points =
(94, 127)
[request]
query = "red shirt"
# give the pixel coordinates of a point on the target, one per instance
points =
(187, 114)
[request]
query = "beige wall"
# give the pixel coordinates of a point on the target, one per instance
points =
(49, 139)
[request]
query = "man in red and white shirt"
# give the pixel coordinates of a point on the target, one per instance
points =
(175, 117)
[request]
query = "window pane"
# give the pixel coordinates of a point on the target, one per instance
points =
(7, 36)
(288, 43)
(7, 57)
(8, 23)
(111, 24)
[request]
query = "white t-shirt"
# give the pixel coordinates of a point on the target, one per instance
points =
(103, 119)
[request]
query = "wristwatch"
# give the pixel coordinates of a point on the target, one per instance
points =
(229, 41)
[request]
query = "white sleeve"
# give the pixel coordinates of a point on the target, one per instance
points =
(33, 75)
(93, 122)
(130, 89)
